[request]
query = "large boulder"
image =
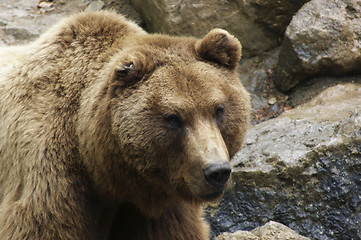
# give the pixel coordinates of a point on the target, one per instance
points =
(274, 230)
(323, 38)
(270, 231)
(24, 20)
(258, 24)
(302, 169)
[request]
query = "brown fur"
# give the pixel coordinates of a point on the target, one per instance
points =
(88, 145)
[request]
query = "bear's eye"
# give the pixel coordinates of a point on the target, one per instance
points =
(219, 113)
(174, 121)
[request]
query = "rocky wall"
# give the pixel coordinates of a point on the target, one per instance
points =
(301, 161)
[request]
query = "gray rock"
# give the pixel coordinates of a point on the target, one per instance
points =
(254, 74)
(126, 8)
(274, 230)
(307, 91)
(270, 231)
(239, 235)
(323, 38)
(95, 6)
(22, 21)
(20, 33)
(302, 169)
(258, 24)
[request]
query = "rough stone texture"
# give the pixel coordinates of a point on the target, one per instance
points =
(256, 76)
(320, 201)
(22, 21)
(95, 6)
(306, 91)
(126, 8)
(275, 230)
(270, 231)
(254, 73)
(258, 24)
(323, 38)
(239, 235)
(333, 104)
(302, 169)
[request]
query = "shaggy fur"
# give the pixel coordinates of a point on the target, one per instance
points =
(105, 130)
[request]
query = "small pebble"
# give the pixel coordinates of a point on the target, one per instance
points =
(272, 101)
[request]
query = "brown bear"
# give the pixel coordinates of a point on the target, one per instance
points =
(107, 132)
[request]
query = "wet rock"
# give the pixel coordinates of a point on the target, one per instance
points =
(258, 24)
(302, 169)
(323, 38)
(271, 230)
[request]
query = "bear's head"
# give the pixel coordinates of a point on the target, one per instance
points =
(175, 113)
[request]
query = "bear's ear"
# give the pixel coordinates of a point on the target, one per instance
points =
(126, 74)
(132, 66)
(221, 47)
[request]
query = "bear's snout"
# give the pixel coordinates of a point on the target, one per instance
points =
(217, 174)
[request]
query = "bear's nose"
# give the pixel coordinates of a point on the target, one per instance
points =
(217, 174)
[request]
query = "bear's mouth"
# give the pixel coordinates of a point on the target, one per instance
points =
(212, 196)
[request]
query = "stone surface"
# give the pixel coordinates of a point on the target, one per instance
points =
(302, 169)
(333, 104)
(258, 24)
(323, 38)
(95, 6)
(306, 91)
(254, 74)
(24, 20)
(126, 8)
(270, 231)
(275, 230)
(239, 235)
